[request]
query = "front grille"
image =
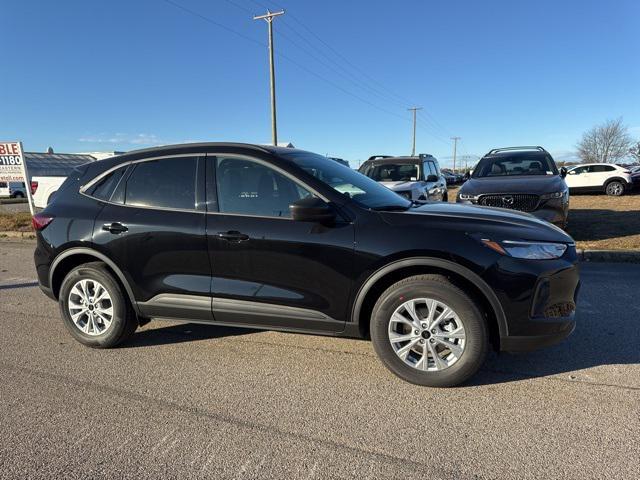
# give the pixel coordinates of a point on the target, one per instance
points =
(525, 202)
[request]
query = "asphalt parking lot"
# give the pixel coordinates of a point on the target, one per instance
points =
(193, 401)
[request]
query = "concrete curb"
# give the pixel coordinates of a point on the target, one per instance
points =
(12, 201)
(614, 256)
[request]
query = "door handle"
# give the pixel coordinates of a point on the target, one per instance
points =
(115, 228)
(232, 236)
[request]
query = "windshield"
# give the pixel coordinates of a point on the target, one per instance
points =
(515, 165)
(392, 172)
(348, 182)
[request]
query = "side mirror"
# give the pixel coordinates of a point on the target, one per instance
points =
(432, 178)
(467, 176)
(563, 172)
(312, 209)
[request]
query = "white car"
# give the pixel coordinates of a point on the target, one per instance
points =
(599, 177)
(12, 190)
(44, 188)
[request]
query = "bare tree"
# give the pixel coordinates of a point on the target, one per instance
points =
(634, 151)
(605, 143)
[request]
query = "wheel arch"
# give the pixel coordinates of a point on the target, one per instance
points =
(622, 180)
(460, 275)
(71, 258)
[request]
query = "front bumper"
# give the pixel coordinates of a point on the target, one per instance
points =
(538, 298)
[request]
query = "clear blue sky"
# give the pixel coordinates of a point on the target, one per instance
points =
(118, 75)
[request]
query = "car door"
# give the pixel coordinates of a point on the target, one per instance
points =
(435, 189)
(269, 270)
(601, 173)
(153, 227)
(577, 178)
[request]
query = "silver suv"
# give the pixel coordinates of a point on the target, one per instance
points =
(415, 178)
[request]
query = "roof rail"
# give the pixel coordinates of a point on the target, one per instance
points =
(375, 157)
(526, 147)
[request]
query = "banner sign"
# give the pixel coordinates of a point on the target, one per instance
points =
(11, 162)
(13, 168)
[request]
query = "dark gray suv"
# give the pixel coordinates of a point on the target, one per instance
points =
(519, 178)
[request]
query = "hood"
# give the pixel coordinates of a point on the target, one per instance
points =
(401, 185)
(537, 184)
(498, 223)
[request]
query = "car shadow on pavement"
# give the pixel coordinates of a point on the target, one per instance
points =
(607, 334)
(184, 332)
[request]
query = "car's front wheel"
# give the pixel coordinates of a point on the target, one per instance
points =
(614, 188)
(429, 332)
(94, 308)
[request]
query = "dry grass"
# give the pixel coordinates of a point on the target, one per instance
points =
(600, 222)
(15, 222)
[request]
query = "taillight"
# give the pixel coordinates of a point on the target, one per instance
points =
(40, 221)
(34, 187)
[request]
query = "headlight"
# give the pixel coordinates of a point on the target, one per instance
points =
(549, 196)
(528, 250)
(468, 196)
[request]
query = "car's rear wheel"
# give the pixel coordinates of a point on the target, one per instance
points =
(94, 308)
(429, 332)
(18, 195)
(614, 188)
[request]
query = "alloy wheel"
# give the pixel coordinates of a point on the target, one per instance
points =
(614, 188)
(427, 334)
(90, 307)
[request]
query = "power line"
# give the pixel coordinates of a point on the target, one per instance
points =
(287, 58)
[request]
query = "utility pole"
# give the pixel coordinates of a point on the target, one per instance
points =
(268, 17)
(455, 145)
(413, 145)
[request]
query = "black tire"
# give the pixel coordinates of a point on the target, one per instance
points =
(614, 188)
(124, 321)
(18, 195)
(438, 288)
(445, 197)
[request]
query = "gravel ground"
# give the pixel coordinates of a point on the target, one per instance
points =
(193, 401)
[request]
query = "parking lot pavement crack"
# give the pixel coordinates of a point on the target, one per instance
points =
(207, 414)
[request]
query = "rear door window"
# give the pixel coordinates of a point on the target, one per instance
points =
(164, 183)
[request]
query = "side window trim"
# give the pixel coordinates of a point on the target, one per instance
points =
(129, 169)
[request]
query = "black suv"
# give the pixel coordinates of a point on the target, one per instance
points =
(277, 238)
(519, 178)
